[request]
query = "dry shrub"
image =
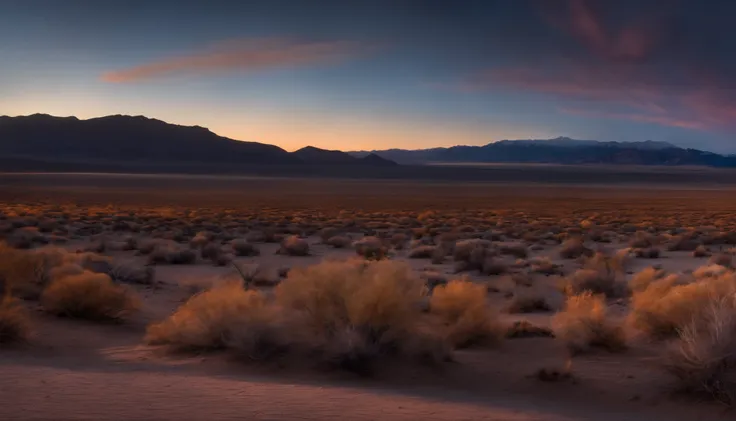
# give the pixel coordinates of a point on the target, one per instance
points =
(226, 316)
(294, 246)
(422, 252)
(398, 240)
(584, 323)
(355, 312)
(710, 271)
(524, 329)
(258, 275)
(173, 254)
(210, 251)
(535, 299)
(370, 248)
(683, 243)
(517, 250)
(90, 296)
(15, 324)
(339, 241)
(647, 253)
(464, 250)
(574, 248)
(545, 266)
(22, 272)
(722, 259)
(462, 307)
(131, 272)
(701, 251)
(243, 248)
(703, 358)
(327, 233)
(601, 274)
(667, 305)
(347, 314)
(642, 279)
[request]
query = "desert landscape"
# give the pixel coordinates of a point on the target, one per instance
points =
(359, 210)
(186, 297)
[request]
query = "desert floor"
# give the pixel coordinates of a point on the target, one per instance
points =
(74, 369)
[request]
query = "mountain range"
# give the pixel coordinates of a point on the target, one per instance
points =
(141, 140)
(561, 150)
(138, 143)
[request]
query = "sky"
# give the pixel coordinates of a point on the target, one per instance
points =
(378, 74)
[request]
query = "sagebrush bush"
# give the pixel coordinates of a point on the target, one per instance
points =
(15, 324)
(574, 248)
(669, 304)
(370, 248)
(462, 307)
(131, 272)
(242, 247)
(226, 316)
(703, 357)
(422, 252)
(347, 314)
(339, 241)
(601, 274)
(173, 254)
(584, 323)
(374, 304)
(534, 299)
(294, 246)
(642, 279)
(89, 295)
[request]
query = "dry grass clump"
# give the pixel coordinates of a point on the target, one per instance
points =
(462, 307)
(89, 295)
(703, 358)
(701, 251)
(574, 248)
(669, 304)
(584, 323)
(226, 316)
(15, 325)
(294, 246)
(243, 248)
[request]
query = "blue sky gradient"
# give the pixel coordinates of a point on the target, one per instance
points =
(379, 74)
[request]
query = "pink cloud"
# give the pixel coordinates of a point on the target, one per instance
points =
(662, 120)
(240, 56)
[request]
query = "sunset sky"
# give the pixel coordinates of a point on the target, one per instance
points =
(378, 74)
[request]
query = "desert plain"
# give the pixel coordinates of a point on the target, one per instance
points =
(140, 297)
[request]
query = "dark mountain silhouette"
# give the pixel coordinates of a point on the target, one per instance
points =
(327, 157)
(144, 141)
(560, 151)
